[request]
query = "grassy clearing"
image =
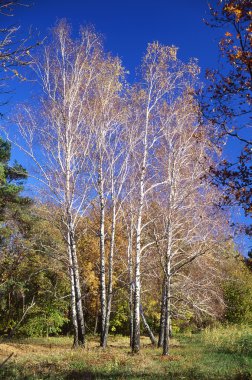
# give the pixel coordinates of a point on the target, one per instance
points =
(223, 353)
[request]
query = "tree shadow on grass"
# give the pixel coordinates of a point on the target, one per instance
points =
(190, 375)
(15, 373)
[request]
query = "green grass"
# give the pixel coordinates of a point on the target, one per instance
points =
(231, 339)
(218, 354)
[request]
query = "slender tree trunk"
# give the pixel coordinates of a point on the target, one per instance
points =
(77, 312)
(137, 289)
(102, 258)
(147, 327)
(78, 298)
(166, 342)
(110, 274)
(168, 258)
(74, 312)
(162, 316)
(96, 316)
(170, 326)
(25, 312)
(131, 285)
(73, 300)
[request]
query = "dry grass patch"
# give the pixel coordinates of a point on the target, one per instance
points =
(53, 358)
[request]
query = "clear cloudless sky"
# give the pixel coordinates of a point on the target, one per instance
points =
(128, 26)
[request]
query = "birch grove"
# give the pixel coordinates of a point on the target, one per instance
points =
(109, 160)
(57, 140)
(138, 155)
(164, 78)
(191, 225)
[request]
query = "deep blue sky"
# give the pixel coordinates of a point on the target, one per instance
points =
(127, 27)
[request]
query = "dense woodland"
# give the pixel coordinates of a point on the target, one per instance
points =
(127, 229)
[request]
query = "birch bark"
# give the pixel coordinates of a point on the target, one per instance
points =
(102, 256)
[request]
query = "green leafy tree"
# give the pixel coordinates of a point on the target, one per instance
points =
(238, 293)
(33, 286)
(34, 293)
(12, 178)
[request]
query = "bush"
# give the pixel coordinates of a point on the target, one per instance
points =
(235, 339)
(44, 323)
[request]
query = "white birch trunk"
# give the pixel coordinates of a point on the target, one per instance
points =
(73, 300)
(110, 273)
(162, 315)
(137, 288)
(102, 257)
(131, 285)
(78, 297)
(166, 342)
(147, 327)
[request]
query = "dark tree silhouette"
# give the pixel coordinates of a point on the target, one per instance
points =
(227, 103)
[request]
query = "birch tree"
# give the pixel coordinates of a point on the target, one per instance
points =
(163, 79)
(110, 160)
(57, 139)
(191, 224)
